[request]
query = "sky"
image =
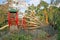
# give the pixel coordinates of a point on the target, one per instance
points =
(48, 1)
(30, 2)
(3, 1)
(35, 2)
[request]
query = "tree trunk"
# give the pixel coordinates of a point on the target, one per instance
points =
(46, 16)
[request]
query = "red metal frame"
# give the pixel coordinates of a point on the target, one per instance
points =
(9, 19)
(24, 23)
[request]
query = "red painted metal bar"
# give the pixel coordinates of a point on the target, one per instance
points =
(17, 18)
(9, 19)
(24, 22)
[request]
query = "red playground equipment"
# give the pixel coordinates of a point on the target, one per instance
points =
(13, 18)
(24, 24)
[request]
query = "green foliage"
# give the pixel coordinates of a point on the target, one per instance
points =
(58, 25)
(43, 3)
(3, 23)
(42, 34)
(57, 21)
(25, 37)
(32, 7)
(17, 36)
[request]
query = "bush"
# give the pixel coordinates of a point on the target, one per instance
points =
(17, 36)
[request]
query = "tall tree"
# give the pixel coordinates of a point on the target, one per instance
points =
(45, 5)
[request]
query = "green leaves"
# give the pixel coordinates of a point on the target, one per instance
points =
(18, 36)
(43, 3)
(32, 7)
